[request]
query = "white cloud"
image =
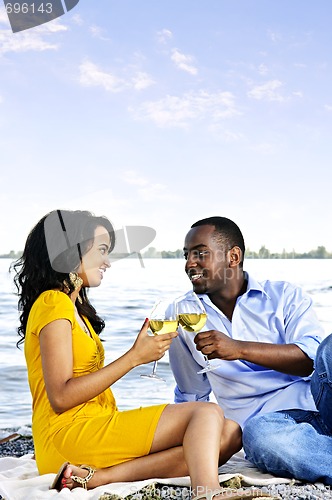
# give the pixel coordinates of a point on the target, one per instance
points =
(54, 26)
(274, 36)
(29, 40)
(323, 66)
(300, 65)
(97, 32)
(175, 111)
(267, 92)
(147, 189)
(77, 19)
(92, 76)
(153, 192)
(132, 177)
(328, 107)
(263, 69)
(164, 35)
(23, 42)
(3, 17)
(142, 81)
(228, 136)
(183, 61)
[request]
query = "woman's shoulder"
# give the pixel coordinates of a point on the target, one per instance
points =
(49, 306)
(54, 297)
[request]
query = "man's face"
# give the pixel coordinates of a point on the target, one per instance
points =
(206, 260)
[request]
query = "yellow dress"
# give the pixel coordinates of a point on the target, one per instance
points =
(95, 432)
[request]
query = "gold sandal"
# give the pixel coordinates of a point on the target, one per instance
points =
(82, 481)
(56, 485)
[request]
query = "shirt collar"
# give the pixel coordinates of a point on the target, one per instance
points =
(253, 286)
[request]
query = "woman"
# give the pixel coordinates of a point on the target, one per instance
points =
(75, 419)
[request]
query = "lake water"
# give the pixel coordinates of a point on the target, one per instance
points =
(124, 299)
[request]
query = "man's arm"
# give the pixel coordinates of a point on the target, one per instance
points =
(285, 358)
(301, 337)
(190, 385)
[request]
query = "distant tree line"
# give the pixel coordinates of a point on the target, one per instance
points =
(263, 253)
(11, 255)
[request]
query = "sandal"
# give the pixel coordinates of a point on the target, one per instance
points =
(56, 485)
(226, 493)
(82, 481)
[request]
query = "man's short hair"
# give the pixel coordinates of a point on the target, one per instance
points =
(227, 232)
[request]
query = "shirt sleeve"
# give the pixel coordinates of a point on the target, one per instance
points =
(302, 326)
(190, 386)
(50, 306)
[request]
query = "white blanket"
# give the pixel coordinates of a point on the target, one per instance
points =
(19, 480)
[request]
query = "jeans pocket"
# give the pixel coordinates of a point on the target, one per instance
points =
(298, 415)
(318, 394)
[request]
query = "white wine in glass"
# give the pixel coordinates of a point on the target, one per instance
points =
(163, 319)
(192, 322)
(161, 326)
(192, 318)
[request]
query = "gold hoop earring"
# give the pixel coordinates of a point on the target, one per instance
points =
(75, 280)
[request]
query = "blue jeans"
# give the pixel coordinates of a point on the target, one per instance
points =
(297, 443)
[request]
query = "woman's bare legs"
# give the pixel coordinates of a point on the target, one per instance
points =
(201, 429)
(190, 438)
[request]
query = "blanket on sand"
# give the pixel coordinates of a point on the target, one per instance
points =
(19, 480)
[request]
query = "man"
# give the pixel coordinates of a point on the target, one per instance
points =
(262, 339)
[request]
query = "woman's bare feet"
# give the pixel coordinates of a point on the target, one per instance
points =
(70, 476)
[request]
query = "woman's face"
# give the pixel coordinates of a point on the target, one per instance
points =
(95, 261)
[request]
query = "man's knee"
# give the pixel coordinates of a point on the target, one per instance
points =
(259, 433)
(325, 348)
(323, 363)
(252, 437)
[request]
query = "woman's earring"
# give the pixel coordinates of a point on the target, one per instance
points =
(75, 280)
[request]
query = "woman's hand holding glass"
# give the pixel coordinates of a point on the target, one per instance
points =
(163, 323)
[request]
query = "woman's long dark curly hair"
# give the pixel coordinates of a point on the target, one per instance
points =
(53, 249)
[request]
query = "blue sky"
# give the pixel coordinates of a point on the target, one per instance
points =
(160, 113)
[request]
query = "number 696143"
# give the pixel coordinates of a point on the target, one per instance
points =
(29, 8)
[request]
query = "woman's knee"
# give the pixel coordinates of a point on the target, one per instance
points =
(212, 409)
(207, 408)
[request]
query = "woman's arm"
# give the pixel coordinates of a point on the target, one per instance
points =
(65, 391)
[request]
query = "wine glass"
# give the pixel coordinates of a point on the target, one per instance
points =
(192, 318)
(163, 319)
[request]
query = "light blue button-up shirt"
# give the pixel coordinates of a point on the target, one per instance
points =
(275, 312)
